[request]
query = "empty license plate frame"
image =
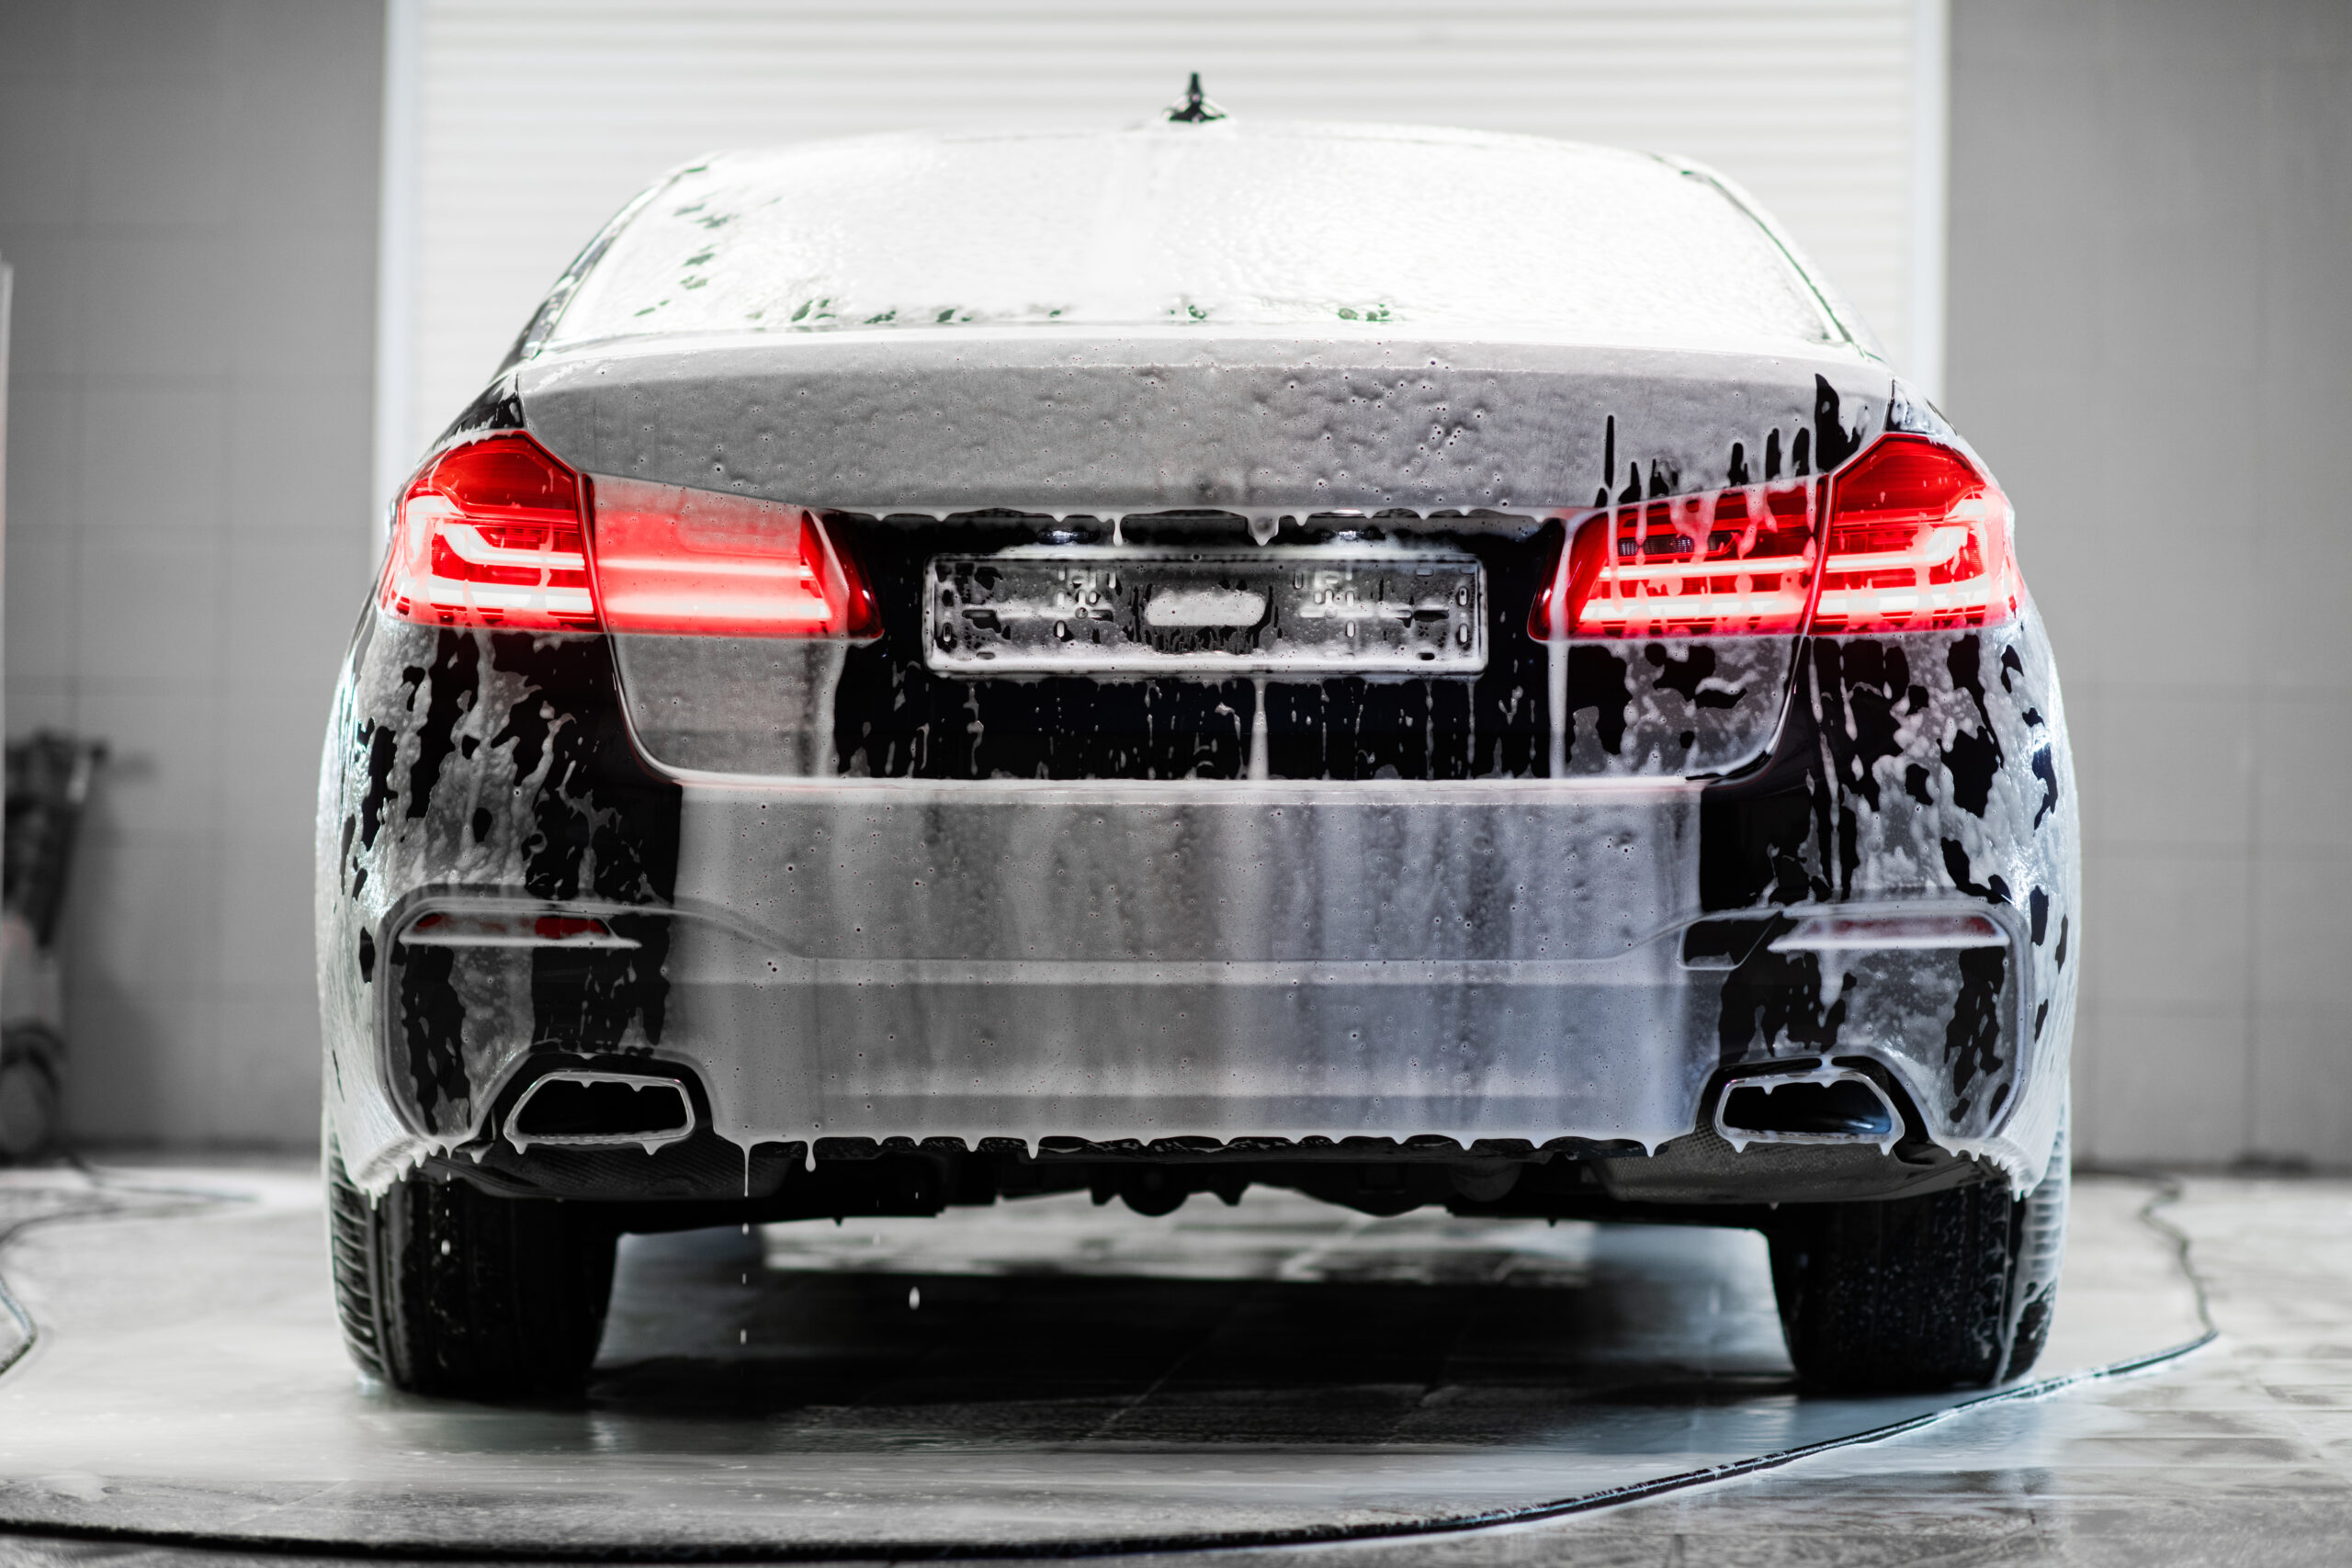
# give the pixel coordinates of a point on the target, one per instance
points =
(1303, 611)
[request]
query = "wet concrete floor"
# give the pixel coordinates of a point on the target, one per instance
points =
(1049, 1375)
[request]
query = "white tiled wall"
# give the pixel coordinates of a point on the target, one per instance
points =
(2151, 340)
(188, 191)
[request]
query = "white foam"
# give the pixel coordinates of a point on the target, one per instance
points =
(1340, 229)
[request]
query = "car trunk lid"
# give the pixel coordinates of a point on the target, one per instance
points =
(1062, 536)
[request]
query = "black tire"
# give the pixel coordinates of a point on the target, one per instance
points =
(1953, 1290)
(447, 1291)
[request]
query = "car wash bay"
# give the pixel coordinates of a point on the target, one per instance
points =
(188, 194)
(1049, 1376)
(1046, 1376)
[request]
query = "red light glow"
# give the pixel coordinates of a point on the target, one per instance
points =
(698, 562)
(1918, 540)
(494, 533)
(1735, 563)
(488, 535)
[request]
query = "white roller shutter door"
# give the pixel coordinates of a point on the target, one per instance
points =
(516, 126)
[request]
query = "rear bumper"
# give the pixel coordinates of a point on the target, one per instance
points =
(1568, 962)
(1516, 963)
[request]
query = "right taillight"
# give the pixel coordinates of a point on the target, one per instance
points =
(1917, 539)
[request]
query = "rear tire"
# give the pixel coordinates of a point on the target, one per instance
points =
(447, 1291)
(1952, 1290)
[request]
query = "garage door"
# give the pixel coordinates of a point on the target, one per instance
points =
(516, 126)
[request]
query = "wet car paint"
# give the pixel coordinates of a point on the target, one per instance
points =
(1530, 915)
(1927, 766)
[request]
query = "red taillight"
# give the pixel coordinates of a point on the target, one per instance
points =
(488, 535)
(1918, 540)
(699, 562)
(495, 534)
(1735, 563)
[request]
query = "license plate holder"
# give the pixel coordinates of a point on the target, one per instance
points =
(1305, 611)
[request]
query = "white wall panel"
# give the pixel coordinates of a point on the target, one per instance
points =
(538, 117)
(2151, 212)
(187, 193)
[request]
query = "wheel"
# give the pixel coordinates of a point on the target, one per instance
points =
(1952, 1290)
(443, 1289)
(29, 1054)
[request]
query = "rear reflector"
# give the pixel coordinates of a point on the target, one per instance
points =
(1878, 933)
(1918, 540)
(699, 562)
(497, 533)
(483, 929)
(488, 535)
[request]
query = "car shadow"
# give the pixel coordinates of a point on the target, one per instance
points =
(1036, 1351)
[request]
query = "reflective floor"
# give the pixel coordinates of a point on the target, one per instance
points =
(1040, 1376)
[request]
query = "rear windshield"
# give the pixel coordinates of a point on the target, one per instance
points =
(1284, 228)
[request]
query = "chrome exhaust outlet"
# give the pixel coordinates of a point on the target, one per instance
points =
(1819, 1105)
(582, 1109)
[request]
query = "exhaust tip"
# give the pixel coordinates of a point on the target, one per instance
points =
(1828, 1105)
(579, 1108)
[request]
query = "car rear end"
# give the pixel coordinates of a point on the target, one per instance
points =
(818, 752)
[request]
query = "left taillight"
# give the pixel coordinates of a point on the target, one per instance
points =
(501, 533)
(707, 563)
(490, 534)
